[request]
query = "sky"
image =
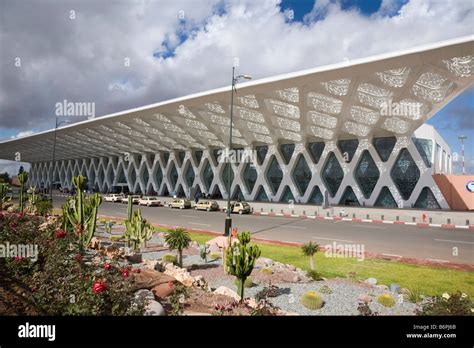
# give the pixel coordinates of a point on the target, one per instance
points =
(122, 54)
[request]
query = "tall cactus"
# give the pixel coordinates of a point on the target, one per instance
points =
(80, 213)
(137, 231)
(240, 260)
(4, 195)
(22, 178)
(32, 199)
(129, 208)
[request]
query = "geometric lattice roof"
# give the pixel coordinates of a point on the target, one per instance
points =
(339, 101)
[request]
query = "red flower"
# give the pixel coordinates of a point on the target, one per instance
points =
(78, 257)
(1, 216)
(125, 272)
(170, 284)
(12, 225)
(107, 266)
(98, 287)
(34, 289)
(60, 234)
(18, 258)
(136, 270)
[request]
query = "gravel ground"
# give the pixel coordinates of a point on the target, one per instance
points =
(342, 301)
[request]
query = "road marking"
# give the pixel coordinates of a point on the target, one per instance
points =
(453, 241)
(436, 260)
(197, 223)
(296, 227)
(338, 240)
(392, 255)
(191, 216)
(377, 227)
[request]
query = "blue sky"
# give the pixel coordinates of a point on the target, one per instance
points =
(172, 56)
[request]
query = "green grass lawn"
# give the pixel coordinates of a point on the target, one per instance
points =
(429, 280)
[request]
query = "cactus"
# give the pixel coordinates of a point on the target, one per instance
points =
(129, 208)
(5, 197)
(169, 258)
(386, 300)
(32, 199)
(214, 256)
(325, 289)
(312, 300)
(240, 260)
(248, 282)
(203, 252)
(137, 231)
(108, 226)
(22, 178)
(266, 271)
(80, 213)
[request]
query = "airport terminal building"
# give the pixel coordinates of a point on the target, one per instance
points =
(352, 133)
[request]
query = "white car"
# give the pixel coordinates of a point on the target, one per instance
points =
(149, 201)
(135, 199)
(113, 197)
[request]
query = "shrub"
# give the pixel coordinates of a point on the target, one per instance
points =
(312, 300)
(266, 271)
(386, 300)
(446, 304)
(325, 290)
(169, 258)
(313, 275)
(414, 295)
(214, 256)
(248, 282)
(43, 206)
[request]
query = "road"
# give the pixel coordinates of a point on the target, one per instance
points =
(455, 245)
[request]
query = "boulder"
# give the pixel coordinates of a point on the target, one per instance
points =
(382, 287)
(296, 279)
(371, 281)
(95, 243)
(291, 268)
(365, 298)
(154, 308)
(163, 290)
(223, 290)
(395, 288)
(150, 264)
(148, 279)
(264, 261)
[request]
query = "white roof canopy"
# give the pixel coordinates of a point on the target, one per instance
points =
(339, 101)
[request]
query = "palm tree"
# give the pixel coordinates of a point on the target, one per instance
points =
(178, 239)
(309, 249)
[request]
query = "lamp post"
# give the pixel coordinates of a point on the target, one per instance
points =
(462, 138)
(235, 79)
(51, 170)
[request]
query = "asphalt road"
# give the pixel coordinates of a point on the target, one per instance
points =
(393, 240)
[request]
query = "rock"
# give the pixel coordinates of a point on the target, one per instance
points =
(169, 266)
(95, 243)
(365, 298)
(382, 287)
(181, 275)
(154, 308)
(223, 290)
(371, 281)
(195, 244)
(150, 264)
(265, 261)
(148, 279)
(296, 279)
(252, 303)
(395, 288)
(134, 257)
(166, 245)
(291, 268)
(163, 290)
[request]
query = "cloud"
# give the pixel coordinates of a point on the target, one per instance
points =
(84, 59)
(22, 134)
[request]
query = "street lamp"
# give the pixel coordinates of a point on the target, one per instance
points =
(51, 170)
(462, 138)
(235, 79)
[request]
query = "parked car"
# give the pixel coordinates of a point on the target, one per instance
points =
(206, 205)
(240, 207)
(149, 201)
(113, 197)
(181, 203)
(135, 199)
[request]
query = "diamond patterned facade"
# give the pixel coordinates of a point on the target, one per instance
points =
(317, 134)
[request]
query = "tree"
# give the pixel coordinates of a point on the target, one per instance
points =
(309, 249)
(178, 239)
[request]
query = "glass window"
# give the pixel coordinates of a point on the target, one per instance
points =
(261, 153)
(366, 174)
(274, 175)
(146, 175)
(261, 195)
(287, 196)
(181, 155)
(384, 147)
(208, 176)
(348, 148)
(238, 195)
(349, 197)
(250, 176)
(198, 156)
(287, 151)
(225, 174)
(385, 199)
(405, 174)
(316, 150)
(332, 174)
(427, 200)
(424, 147)
(166, 157)
(316, 196)
(158, 176)
(173, 177)
(121, 179)
(301, 175)
(189, 174)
